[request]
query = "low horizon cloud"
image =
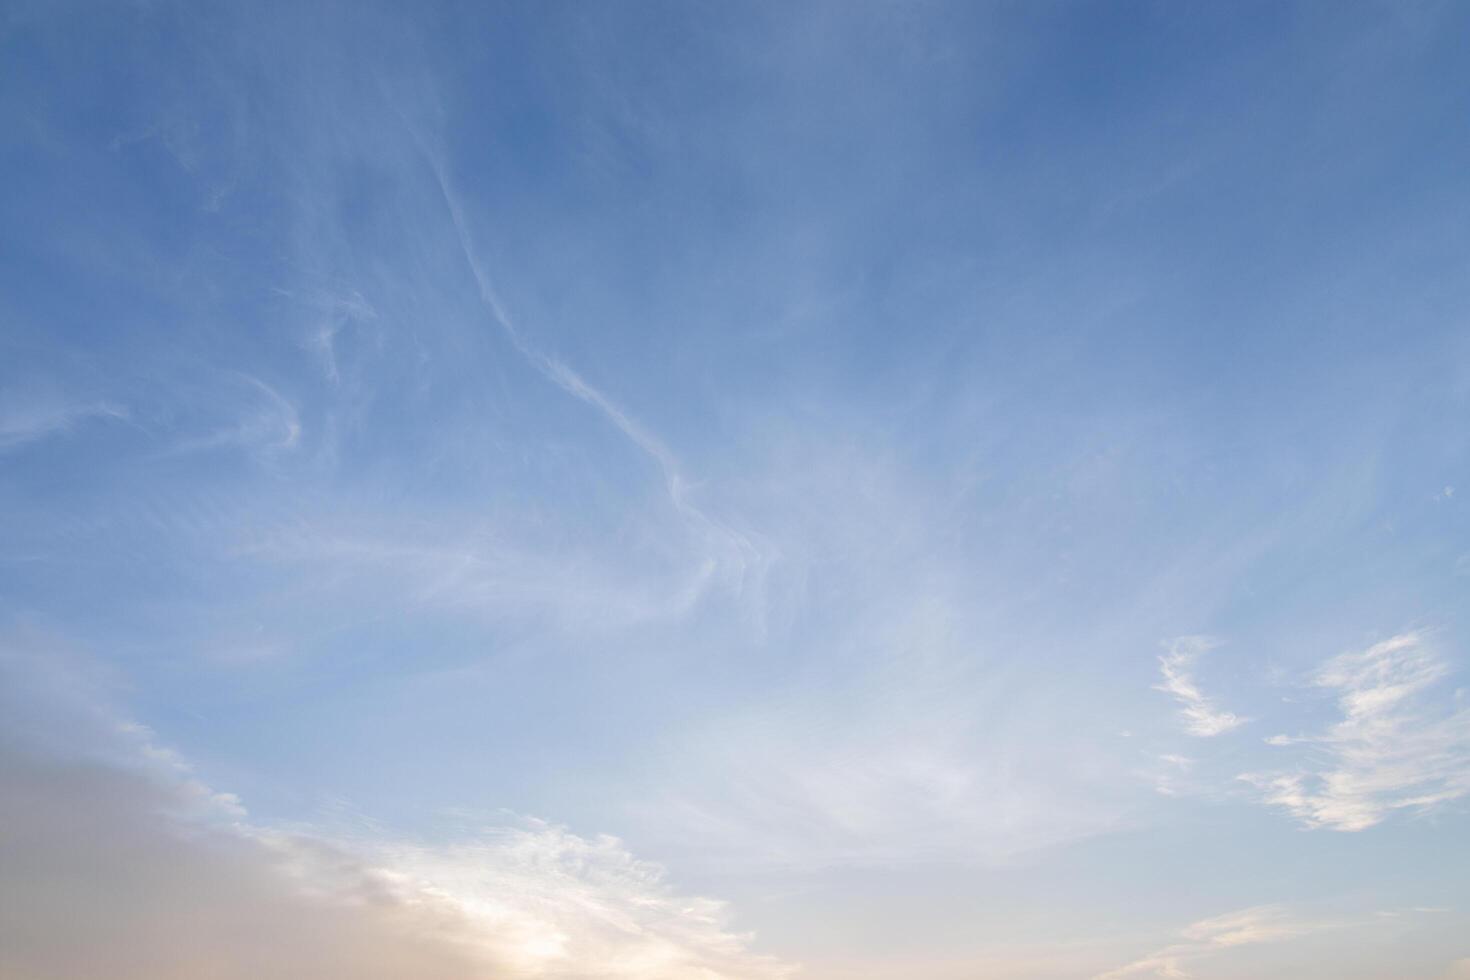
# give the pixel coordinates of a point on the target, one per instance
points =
(120, 862)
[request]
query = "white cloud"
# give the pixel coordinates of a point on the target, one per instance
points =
(543, 901)
(1395, 747)
(123, 878)
(1201, 717)
(1209, 937)
(131, 867)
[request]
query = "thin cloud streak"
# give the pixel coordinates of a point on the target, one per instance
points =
(1210, 937)
(1201, 717)
(24, 420)
(744, 560)
(483, 575)
(262, 420)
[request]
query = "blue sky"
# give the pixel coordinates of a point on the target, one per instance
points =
(735, 491)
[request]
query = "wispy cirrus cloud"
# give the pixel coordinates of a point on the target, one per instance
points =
(253, 416)
(1169, 771)
(485, 575)
(1396, 747)
(1210, 937)
(742, 557)
(1201, 717)
(25, 420)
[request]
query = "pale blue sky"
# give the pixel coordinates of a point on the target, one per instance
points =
(969, 490)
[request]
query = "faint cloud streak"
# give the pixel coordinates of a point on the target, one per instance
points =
(1201, 717)
(1209, 937)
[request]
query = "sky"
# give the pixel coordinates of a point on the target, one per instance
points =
(734, 491)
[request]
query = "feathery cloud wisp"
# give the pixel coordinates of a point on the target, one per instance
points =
(1261, 924)
(1393, 749)
(1201, 717)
